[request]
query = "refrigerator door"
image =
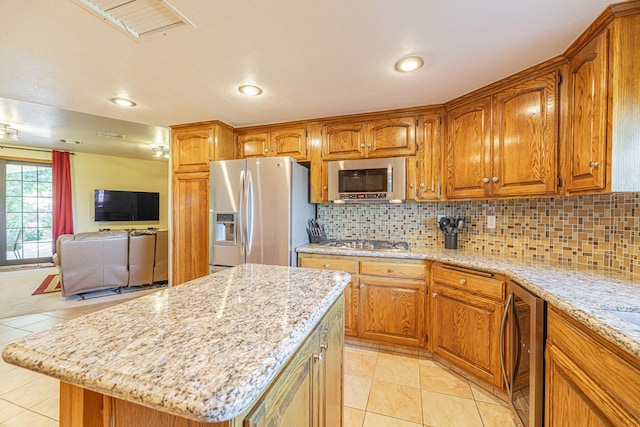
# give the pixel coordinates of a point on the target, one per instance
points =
(226, 217)
(268, 210)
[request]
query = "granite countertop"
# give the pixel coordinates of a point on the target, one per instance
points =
(204, 350)
(585, 293)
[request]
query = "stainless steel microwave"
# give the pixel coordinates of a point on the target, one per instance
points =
(368, 180)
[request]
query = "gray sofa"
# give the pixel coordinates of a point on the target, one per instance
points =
(111, 259)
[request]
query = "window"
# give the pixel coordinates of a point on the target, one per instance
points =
(26, 199)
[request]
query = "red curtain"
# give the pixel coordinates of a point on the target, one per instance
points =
(62, 205)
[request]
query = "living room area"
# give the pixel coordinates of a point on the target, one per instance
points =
(27, 262)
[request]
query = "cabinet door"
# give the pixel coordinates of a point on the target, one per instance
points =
(254, 145)
(331, 394)
(428, 158)
(292, 398)
(351, 303)
(466, 331)
(392, 137)
(468, 153)
(190, 226)
(586, 155)
(191, 149)
(392, 311)
(343, 141)
(525, 142)
(290, 142)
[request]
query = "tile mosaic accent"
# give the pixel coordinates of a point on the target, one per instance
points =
(597, 230)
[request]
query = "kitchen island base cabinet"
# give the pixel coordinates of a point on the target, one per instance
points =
(307, 393)
(589, 381)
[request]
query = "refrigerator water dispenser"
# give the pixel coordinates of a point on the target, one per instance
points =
(225, 229)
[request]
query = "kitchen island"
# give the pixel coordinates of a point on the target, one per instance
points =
(216, 350)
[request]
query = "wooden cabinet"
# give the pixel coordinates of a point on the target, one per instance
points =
(423, 171)
(505, 145)
(280, 142)
(589, 381)
(466, 309)
(601, 152)
(387, 296)
(388, 137)
(309, 392)
(588, 81)
(192, 148)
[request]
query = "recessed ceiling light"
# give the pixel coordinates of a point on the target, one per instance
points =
(410, 63)
(123, 102)
(250, 90)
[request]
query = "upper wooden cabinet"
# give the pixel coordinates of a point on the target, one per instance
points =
(391, 137)
(505, 145)
(281, 142)
(423, 171)
(194, 146)
(603, 128)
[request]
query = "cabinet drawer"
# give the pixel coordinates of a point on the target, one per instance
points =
(467, 280)
(346, 265)
(389, 269)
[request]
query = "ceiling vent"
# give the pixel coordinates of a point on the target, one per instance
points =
(114, 135)
(138, 18)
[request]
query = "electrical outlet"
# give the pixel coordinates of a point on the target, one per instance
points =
(491, 221)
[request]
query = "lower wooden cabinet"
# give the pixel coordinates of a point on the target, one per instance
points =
(466, 308)
(385, 300)
(310, 390)
(588, 381)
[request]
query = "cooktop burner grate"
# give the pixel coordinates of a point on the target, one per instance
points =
(370, 245)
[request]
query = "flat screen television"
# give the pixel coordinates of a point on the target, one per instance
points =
(114, 205)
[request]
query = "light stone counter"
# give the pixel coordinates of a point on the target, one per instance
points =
(204, 350)
(582, 292)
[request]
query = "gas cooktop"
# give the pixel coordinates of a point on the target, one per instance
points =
(369, 245)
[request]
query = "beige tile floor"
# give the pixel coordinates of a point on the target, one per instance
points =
(381, 389)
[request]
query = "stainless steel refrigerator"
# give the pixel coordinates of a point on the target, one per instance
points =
(259, 210)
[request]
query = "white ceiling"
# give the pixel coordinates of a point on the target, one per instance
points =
(311, 58)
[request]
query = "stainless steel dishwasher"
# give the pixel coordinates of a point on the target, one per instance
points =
(522, 336)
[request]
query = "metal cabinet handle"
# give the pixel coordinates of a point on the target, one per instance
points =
(273, 149)
(594, 164)
(503, 325)
(495, 179)
(368, 145)
(361, 286)
(324, 187)
(324, 347)
(485, 180)
(463, 281)
(326, 266)
(318, 357)
(422, 185)
(266, 150)
(433, 295)
(361, 145)
(411, 185)
(390, 270)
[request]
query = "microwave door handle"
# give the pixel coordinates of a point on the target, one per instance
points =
(390, 179)
(503, 362)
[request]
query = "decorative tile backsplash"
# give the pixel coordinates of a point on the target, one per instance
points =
(602, 230)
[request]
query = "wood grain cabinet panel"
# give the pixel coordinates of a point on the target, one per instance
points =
(586, 161)
(392, 311)
(427, 176)
(290, 142)
(193, 147)
(588, 380)
(468, 153)
(466, 313)
(392, 137)
(341, 141)
(525, 141)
